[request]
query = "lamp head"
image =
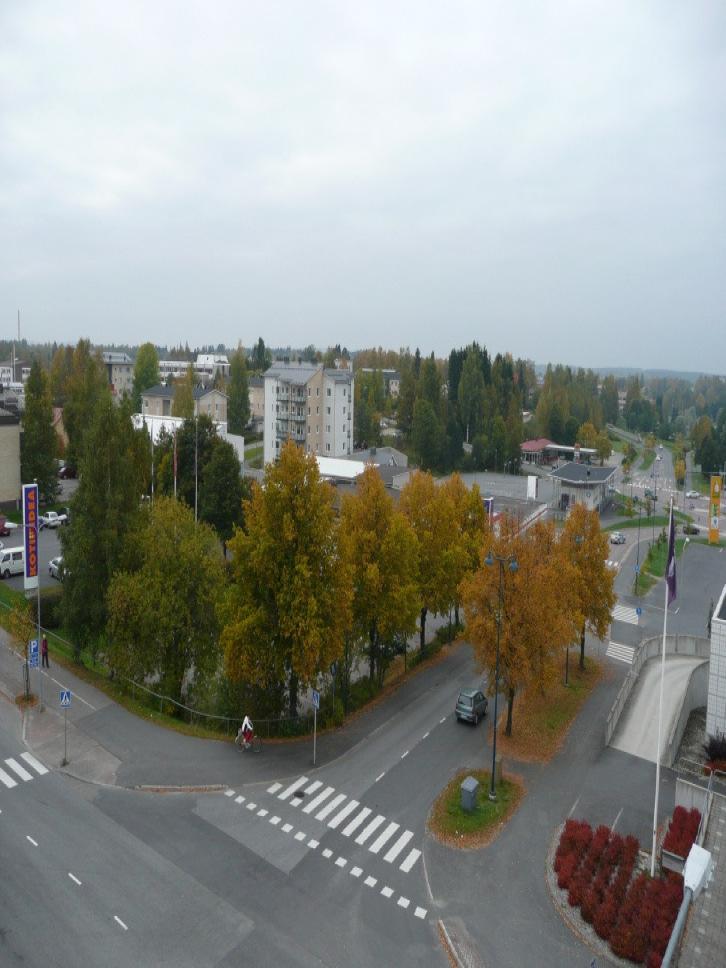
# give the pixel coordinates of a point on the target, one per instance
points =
(489, 560)
(513, 566)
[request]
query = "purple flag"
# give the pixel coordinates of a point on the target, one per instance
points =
(671, 565)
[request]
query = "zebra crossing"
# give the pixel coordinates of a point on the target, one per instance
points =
(625, 613)
(335, 811)
(17, 772)
(611, 563)
(624, 653)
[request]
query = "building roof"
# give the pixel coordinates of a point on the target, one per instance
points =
(109, 357)
(167, 391)
(340, 468)
(573, 473)
(255, 381)
(293, 372)
(535, 446)
(340, 376)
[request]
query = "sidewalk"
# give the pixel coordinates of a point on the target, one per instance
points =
(705, 939)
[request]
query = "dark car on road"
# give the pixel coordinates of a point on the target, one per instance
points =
(471, 705)
(691, 528)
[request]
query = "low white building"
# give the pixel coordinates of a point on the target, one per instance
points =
(716, 701)
(575, 483)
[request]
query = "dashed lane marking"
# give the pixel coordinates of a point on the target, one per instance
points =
(420, 912)
(287, 827)
(239, 799)
(74, 879)
(341, 862)
(356, 871)
(300, 835)
(386, 891)
(119, 921)
(370, 882)
(403, 902)
(404, 755)
(275, 821)
(229, 793)
(380, 776)
(33, 842)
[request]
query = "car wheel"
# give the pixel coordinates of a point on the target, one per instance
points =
(6, 574)
(476, 719)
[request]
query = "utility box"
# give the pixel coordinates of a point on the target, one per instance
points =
(469, 792)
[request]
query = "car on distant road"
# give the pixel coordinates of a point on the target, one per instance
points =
(617, 537)
(51, 519)
(648, 493)
(658, 457)
(693, 494)
(55, 568)
(67, 473)
(471, 705)
(689, 528)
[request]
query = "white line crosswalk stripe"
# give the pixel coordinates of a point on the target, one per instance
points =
(7, 780)
(286, 794)
(274, 788)
(396, 849)
(383, 838)
(624, 653)
(356, 822)
(625, 613)
(330, 807)
(410, 860)
(337, 820)
(36, 764)
(314, 804)
(20, 770)
(372, 826)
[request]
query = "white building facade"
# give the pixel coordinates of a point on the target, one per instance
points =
(311, 405)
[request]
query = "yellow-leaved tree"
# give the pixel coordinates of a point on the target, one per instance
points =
(288, 605)
(472, 527)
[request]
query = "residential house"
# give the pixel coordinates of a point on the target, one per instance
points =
(158, 401)
(119, 369)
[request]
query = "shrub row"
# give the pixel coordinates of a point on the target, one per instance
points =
(596, 869)
(682, 831)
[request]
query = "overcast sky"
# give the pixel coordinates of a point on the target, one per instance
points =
(548, 178)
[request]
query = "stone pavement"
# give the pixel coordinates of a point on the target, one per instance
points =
(704, 945)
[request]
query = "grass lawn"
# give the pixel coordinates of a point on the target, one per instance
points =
(540, 723)
(648, 458)
(699, 482)
(457, 828)
(660, 521)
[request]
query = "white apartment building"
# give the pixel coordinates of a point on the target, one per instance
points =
(311, 405)
(206, 367)
(120, 373)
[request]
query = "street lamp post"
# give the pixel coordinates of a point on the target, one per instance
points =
(511, 561)
(578, 542)
(637, 551)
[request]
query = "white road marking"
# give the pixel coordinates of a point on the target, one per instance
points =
(420, 912)
(33, 842)
(615, 821)
(262, 812)
(442, 720)
(36, 764)
(404, 755)
(119, 921)
(20, 770)
(572, 808)
(327, 852)
(75, 694)
(287, 827)
(300, 835)
(398, 846)
(356, 871)
(315, 803)
(380, 776)
(315, 785)
(341, 862)
(426, 735)
(625, 613)
(7, 780)
(410, 860)
(330, 807)
(292, 788)
(356, 822)
(385, 836)
(313, 844)
(74, 879)
(342, 814)
(370, 881)
(387, 891)
(367, 831)
(274, 788)
(229, 793)
(624, 653)
(239, 799)
(275, 821)
(403, 902)
(251, 805)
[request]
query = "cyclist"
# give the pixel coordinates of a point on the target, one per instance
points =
(246, 733)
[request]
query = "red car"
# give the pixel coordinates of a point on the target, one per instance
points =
(4, 530)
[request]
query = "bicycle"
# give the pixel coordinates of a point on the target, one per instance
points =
(255, 744)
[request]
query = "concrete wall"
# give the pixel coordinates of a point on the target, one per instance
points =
(649, 649)
(716, 711)
(693, 698)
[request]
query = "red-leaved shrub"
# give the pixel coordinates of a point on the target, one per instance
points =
(682, 831)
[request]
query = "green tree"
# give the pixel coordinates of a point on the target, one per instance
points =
(287, 608)
(430, 512)
(238, 405)
(60, 370)
(430, 384)
(381, 550)
(471, 394)
(39, 442)
(146, 372)
(604, 447)
(406, 401)
(261, 357)
(114, 473)
(162, 615)
(183, 405)
(86, 391)
(426, 434)
(609, 400)
(221, 490)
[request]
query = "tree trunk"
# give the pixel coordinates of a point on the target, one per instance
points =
(293, 695)
(424, 610)
(582, 649)
(456, 615)
(372, 652)
(510, 707)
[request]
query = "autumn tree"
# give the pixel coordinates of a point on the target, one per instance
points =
(603, 446)
(430, 513)
(183, 404)
(471, 528)
(238, 405)
(587, 435)
(381, 550)
(146, 372)
(162, 614)
(287, 608)
(39, 445)
(86, 390)
(588, 547)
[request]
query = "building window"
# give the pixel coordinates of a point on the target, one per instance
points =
(317, 428)
(327, 429)
(328, 391)
(308, 428)
(343, 410)
(317, 410)
(308, 411)
(317, 391)
(308, 391)
(327, 410)
(344, 391)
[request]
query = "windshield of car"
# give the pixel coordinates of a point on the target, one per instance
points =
(465, 700)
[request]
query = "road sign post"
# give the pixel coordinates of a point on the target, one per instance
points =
(65, 701)
(316, 706)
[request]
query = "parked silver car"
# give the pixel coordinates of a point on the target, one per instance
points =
(471, 705)
(55, 568)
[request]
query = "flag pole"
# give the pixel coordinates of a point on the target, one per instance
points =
(668, 598)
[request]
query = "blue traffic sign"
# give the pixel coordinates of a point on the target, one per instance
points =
(65, 697)
(638, 610)
(33, 660)
(316, 699)
(637, 569)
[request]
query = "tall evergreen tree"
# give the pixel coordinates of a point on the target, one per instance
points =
(39, 442)
(238, 405)
(86, 390)
(146, 372)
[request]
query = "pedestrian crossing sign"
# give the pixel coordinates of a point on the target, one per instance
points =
(65, 697)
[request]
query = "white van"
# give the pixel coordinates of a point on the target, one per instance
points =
(12, 562)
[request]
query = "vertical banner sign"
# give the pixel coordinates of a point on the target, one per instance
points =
(30, 528)
(489, 507)
(714, 504)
